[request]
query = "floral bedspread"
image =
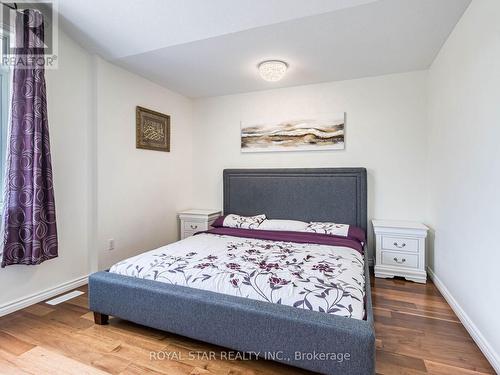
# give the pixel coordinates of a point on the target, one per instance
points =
(321, 278)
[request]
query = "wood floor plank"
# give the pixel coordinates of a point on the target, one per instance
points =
(136, 329)
(417, 333)
(135, 369)
(43, 361)
(391, 363)
(39, 309)
(436, 368)
(81, 301)
(8, 364)
(417, 312)
(99, 332)
(426, 324)
(392, 303)
(13, 345)
(69, 317)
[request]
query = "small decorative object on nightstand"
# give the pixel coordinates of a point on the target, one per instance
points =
(400, 249)
(193, 221)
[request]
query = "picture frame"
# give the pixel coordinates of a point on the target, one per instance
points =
(152, 130)
(320, 132)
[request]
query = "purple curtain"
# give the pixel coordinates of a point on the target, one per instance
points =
(30, 232)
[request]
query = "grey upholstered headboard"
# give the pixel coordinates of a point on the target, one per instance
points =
(318, 194)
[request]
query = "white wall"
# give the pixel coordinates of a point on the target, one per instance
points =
(68, 92)
(464, 165)
(138, 191)
(385, 132)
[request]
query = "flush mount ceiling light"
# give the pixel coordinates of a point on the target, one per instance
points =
(272, 70)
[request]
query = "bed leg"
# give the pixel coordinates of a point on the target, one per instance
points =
(100, 319)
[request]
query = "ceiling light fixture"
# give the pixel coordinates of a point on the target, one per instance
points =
(272, 70)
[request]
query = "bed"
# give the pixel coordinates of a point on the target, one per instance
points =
(235, 311)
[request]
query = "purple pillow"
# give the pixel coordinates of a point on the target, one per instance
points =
(356, 233)
(219, 222)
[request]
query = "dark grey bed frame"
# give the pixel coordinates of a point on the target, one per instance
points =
(315, 341)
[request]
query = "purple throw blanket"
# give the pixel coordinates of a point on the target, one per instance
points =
(288, 236)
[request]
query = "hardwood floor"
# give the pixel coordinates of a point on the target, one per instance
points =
(417, 333)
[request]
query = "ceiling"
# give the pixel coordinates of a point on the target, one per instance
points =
(203, 48)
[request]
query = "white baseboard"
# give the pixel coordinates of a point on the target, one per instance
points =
(21, 303)
(491, 355)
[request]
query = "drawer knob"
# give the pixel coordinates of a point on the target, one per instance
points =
(399, 246)
(193, 226)
(399, 261)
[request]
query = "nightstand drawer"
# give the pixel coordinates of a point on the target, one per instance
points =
(390, 258)
(400, 244)
(195, 226)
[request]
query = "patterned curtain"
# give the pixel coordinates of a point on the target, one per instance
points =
(29, 221)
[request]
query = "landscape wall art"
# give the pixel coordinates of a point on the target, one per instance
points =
(306, 134)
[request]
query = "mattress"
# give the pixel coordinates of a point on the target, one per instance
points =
(307, 271)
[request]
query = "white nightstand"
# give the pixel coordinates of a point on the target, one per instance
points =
(193, 221)
(400, 249)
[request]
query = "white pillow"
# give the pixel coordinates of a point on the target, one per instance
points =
(328, 228)
(286, 225)
(244, 222)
